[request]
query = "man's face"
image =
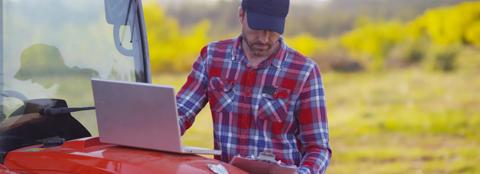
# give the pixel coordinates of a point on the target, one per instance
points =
(261, 43)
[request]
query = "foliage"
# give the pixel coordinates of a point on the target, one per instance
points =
(327, 18)
(434, 37)
(371, 42)
(450, 25)
(170, 49)
(307, 44)
(472, 33)
(432, 40)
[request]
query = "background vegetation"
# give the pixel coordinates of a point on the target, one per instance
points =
(401, 76)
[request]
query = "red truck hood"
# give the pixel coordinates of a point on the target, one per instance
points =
(88, 155)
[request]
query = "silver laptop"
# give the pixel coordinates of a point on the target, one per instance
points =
(139, 115)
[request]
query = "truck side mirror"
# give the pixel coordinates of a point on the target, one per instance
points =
(121, 13)
(116, 11)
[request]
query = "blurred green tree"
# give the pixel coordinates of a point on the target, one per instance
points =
(370, 42)
(170, 49)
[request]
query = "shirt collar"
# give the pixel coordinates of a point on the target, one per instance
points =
(276, 59)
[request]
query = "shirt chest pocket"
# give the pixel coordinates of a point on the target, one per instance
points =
(221, 94)
(273, 104)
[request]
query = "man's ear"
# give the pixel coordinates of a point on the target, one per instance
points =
(241, 14)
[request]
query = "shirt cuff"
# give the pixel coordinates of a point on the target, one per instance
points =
(303, 170)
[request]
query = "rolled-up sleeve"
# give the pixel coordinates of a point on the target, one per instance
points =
(192, 97)
(313, 129)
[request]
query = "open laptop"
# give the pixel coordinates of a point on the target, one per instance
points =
(139, 115)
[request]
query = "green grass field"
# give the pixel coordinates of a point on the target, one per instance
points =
(405, 121)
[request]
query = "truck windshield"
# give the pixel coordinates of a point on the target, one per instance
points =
(51, 49)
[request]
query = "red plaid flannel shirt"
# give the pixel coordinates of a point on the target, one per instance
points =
(278, 105)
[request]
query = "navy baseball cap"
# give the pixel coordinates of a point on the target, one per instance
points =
(266, 14)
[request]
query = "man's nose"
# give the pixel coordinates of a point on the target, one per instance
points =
(264, 36)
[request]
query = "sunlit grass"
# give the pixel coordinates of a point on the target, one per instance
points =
(405, 121)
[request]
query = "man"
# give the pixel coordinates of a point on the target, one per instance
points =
(263, 95)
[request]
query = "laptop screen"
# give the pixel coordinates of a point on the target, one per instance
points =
(137, 114)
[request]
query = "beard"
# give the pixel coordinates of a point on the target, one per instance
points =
(259, 49)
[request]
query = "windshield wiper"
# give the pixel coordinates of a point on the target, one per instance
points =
(128, 17)
(118, 14)
(128, 12)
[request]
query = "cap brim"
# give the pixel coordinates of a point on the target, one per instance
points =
(264, 22)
